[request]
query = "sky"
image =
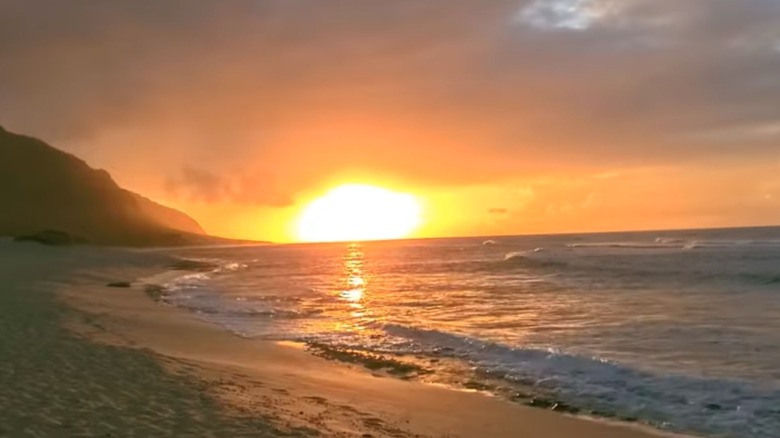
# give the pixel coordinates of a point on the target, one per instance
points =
(503, 117)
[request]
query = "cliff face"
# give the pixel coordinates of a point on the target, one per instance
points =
(167, 216)
(42, 188)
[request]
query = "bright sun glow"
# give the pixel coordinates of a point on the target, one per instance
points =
(359, 212)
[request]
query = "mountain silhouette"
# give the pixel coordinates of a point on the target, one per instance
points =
(43, 188)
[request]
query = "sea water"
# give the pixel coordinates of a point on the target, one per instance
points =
(679, 330)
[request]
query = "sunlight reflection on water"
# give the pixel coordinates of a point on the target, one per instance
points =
(354, 282)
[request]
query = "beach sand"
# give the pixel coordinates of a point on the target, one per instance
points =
(83, 359)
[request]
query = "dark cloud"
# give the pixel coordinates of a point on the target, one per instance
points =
(498, 211)
(447, 92)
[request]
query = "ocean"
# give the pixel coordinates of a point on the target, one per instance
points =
(679, 330)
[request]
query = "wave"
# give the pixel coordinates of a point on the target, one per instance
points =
(670, 240)
(625, 245)
(717, 243)
(533, 259)
(760, 278)
(618, 268)
(675, 402)
(200, 270)
(204, 265)
(676, 243)
(247, 312)
(196, 265)
(191, 292)
(772, 280)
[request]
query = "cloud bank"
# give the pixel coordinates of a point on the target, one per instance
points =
(193, 96)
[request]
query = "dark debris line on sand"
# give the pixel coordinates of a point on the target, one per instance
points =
(124, 284)
(371, 361)
(54, 384)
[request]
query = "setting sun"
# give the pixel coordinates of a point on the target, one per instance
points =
(358, 212)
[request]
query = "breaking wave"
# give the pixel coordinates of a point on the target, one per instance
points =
(695, 404)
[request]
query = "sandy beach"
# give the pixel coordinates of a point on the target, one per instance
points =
(84, 359)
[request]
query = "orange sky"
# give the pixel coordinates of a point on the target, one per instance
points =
(501, 116)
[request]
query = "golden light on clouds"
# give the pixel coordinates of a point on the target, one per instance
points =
(356, 212)
(201, 121)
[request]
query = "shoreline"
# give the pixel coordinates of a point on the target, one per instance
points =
(297, 391)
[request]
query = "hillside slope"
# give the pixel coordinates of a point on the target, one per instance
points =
(44, 188)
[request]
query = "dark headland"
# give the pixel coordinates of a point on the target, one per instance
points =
(46, 194)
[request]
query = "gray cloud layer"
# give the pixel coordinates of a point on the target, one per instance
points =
(446, 91)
